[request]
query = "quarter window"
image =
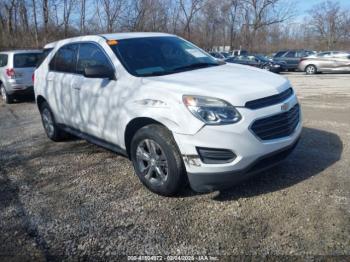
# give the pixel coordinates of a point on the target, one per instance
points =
(65, 59)
(90, 55)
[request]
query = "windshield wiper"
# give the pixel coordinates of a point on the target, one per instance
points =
(193, 66)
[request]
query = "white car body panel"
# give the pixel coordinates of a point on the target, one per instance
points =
(103, 108)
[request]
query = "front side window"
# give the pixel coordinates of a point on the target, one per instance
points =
(152, 56)
(3, 60)
(26, 60)
(91, 55)
(65, 59)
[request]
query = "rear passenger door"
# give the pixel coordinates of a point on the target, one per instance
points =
(291, 60)
(61, 94)
(96, 95)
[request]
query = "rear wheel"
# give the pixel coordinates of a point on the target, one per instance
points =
(157, 160)
(311, 70)
(52, 130)
(8, 99)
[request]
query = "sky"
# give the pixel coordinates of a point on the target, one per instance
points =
(305, 5)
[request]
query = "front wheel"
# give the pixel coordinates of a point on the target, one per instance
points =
(157, 160)
(311, 70)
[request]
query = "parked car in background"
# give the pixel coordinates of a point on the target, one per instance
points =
(217, 55)
(330, 54)
(226, 54)
(325, 63)
(239, 52)
(258, 61)
(16, 72)
(174, 110)
(291, 58)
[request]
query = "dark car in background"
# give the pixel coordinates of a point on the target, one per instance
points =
(291, 58)
(258, 61)
(217, 55)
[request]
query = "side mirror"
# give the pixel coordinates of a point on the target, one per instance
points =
(99, 72)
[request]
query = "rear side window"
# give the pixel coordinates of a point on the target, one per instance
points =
(65, 59)
(91, 55)
(26, 60)
(3, 60)
(290, 54)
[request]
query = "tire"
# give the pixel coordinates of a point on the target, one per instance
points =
(310, 70)
(157, 160)
(266, 67)
(8, 99)
(50, 126)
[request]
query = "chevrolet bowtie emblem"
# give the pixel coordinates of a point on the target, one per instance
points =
(285, 107)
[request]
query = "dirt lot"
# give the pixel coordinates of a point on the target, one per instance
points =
(74, 198)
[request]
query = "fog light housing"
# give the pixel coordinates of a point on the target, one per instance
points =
(215, 155)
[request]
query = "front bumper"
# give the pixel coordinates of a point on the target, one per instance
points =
(239, 139)
(219, 181)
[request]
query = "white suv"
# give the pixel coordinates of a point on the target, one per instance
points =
(16, 72)
(175, 111)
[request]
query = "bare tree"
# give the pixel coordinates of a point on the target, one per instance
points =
(190, 8)
(45, 4)
(67, 10)
(112, 10)
(82, 16)
(329, 22)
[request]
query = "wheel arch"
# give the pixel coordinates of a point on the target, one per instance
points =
(311, 64)
(133, 126)
(40, 100)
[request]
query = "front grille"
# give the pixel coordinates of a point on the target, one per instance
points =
(277, 126)
(270, 100)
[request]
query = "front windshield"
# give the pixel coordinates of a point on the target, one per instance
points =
(151, 56)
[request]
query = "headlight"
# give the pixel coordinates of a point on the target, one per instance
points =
(212, 111)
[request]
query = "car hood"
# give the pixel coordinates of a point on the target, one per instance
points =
(234, 83)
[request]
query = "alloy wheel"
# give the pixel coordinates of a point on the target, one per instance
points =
(48, 122)
(152, 161)
(310, 70)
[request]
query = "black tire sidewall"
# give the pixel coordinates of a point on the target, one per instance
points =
(175, 166)
(56, 134)
(8, 97)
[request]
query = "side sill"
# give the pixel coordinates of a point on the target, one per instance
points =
(94, 140)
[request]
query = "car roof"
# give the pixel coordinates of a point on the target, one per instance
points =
(115, 36)
(21, 51)
(120, 36)
(50, 45)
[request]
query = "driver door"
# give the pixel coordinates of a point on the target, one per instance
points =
(98, 97)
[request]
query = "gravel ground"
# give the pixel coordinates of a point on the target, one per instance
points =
(74, 198)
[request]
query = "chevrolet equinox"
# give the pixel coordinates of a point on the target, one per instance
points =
(175, 111)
